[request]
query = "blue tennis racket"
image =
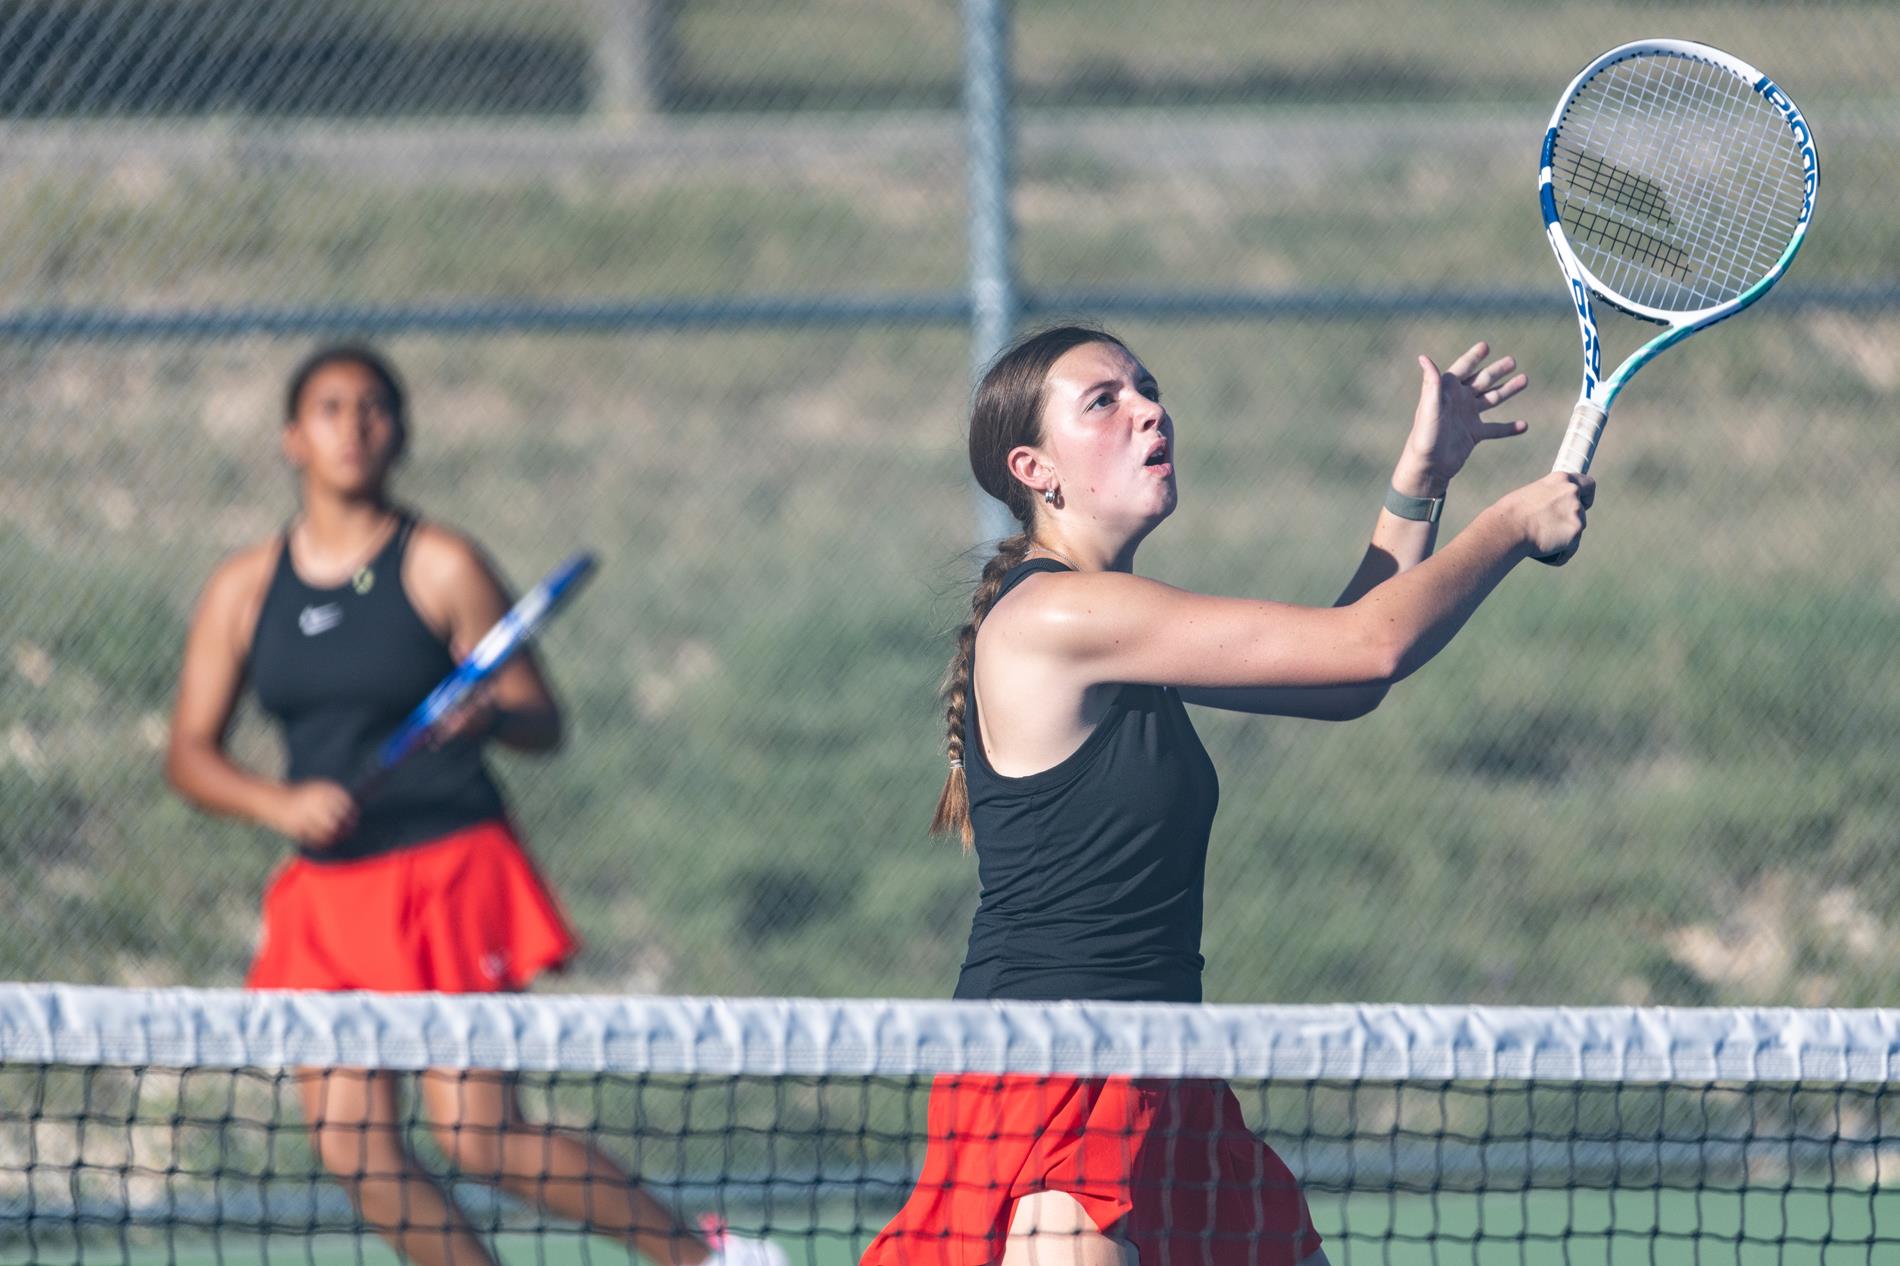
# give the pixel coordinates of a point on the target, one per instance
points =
(1677, 183)
(499, 645)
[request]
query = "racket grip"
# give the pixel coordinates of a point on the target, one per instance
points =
(1580, 439)
(1574, 454)
(365, 785)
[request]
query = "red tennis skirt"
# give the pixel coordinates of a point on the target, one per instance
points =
(466, 913)
(1168, 1167)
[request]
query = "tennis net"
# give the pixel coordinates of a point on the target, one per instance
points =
(170, 1125)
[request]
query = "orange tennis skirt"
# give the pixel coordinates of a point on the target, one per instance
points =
(466, 913)
(1168, 1167)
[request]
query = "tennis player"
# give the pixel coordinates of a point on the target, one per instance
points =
(341, 625)
(1077, 776)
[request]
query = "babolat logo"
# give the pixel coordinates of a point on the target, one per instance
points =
(1592, 347)
(1810, 170)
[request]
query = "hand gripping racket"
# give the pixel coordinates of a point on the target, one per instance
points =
(497, 647)
(1677, 183)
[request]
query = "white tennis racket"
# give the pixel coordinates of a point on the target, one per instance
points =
(1677, 183)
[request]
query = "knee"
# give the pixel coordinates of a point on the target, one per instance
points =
(476, 1151)
(346, 1151)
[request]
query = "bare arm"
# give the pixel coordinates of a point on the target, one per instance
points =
(196, 763)
(1398, 545)
(457, 591)
(1100, 627)
(1446, 426)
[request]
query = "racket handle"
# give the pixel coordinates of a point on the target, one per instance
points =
(1580, 440)
(367, 785)
(1574, 454)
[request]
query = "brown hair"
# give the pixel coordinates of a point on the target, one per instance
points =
(1006, 412)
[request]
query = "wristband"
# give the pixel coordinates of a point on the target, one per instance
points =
(1418, 509)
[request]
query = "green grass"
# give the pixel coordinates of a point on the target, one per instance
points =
(1686, 729)
(842, 54)
(1680, 738)
(740, 55)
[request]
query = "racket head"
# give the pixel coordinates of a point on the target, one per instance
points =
(1677, 181)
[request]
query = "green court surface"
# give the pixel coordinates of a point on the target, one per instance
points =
(563, 1248)
(1662, 1227)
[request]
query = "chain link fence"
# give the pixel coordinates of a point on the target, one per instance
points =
(683, 280)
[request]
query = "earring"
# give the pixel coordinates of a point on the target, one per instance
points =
(1049, 496)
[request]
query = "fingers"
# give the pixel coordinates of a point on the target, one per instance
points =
(1501, 430)
(1465, 365)
(1504, 391)
(340, 814)
(1559, 524)
(1484, 379)
(1494, 383)
(326, 828)
(1428, 384)
(337, 813)
(1586, 497)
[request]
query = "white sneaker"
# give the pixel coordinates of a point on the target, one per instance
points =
(739, 1250)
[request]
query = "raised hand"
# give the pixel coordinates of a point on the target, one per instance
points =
(1449, 422)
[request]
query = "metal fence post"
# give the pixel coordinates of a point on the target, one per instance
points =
(633, 55)
(993, 298)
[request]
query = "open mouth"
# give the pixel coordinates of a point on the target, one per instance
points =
(1158, 456)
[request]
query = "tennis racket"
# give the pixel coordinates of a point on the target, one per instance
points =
(1677, 184)
(499, 645)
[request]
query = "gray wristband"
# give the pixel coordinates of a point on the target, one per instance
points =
(1418, 509)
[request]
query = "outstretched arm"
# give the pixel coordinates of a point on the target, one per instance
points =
(1093, 628)
(1446, 426)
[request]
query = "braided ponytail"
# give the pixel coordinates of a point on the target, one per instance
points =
(1006, 413)
(953, 806)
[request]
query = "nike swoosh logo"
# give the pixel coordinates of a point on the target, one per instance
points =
(315, 620)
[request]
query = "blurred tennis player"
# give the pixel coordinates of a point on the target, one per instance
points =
(1076, 774)
(342, 624)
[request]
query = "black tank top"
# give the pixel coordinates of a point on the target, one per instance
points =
(1092, 871)
(340, 669)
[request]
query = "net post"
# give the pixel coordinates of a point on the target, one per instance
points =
(633, 58)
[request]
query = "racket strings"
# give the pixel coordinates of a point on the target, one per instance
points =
(1750, 237)
(1679, 185)
(1716, 111)
(1607, 181)
(1620, 235)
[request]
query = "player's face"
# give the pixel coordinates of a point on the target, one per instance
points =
(1110, 442)
(345, 434)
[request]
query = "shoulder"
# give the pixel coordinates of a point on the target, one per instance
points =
(1064, 597)
(441, 558)
(1063, 611)
(233, 595)
(243, 574)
